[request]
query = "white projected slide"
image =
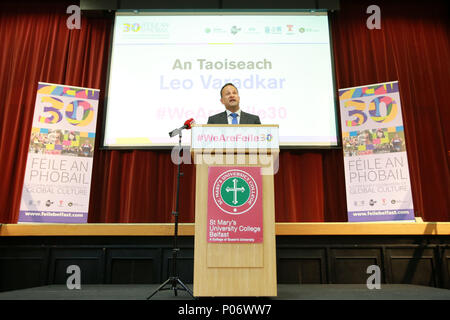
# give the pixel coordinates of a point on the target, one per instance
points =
(169, 67)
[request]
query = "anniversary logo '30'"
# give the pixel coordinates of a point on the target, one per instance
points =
(235, 192)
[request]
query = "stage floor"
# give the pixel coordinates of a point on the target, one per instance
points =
(285, 292)
(188, 229)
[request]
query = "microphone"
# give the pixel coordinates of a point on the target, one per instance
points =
(187, 125)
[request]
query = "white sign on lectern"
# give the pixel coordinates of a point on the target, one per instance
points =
(235, 136)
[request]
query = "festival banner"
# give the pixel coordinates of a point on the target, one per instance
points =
(235, 205)
(376, 165)
(58, 173)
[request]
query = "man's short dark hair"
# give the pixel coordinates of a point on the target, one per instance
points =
(227, 84)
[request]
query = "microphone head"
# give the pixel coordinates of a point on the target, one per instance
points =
(188, 123)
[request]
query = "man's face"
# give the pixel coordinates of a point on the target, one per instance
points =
(230, 98)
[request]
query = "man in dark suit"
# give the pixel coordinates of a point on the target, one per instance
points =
(229, 97)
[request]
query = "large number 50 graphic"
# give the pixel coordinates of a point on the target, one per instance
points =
(54, 108)
(376, 111)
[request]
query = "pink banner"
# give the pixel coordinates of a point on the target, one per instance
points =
(235, 205)
(57, 181)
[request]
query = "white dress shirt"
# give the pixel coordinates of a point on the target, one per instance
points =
(230, 118)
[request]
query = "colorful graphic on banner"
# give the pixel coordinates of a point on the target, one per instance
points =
(59, 165)
(376, 165)
(235, 205)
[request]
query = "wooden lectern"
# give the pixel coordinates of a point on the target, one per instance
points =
(234, 268)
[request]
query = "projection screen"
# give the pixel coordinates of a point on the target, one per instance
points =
(167, 67)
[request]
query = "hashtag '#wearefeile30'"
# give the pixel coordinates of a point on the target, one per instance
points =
(160, 113)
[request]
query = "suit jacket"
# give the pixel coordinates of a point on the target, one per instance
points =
(246, 118)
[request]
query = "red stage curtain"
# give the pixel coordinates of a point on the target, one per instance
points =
(37, 46)
(412, 47)
(138, 186)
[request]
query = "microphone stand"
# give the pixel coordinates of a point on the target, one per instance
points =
(174, 280)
